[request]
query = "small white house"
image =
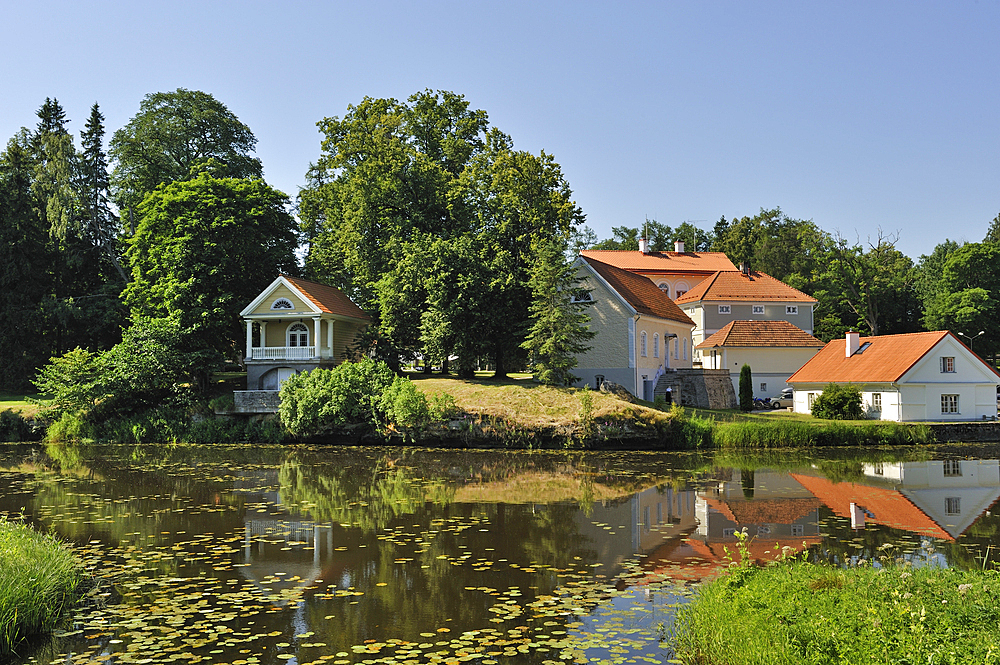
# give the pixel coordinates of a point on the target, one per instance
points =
(928, 376)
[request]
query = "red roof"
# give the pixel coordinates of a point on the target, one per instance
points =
(640, 292)
(329, 299)
(889, 507)
(760, 333)
(886, 359)
(662, 262)
(753, 286)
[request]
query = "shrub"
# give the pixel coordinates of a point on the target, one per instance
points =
(442, 406)
(323, 399)
(586, 412)
(838, 402)
(746, 388)
(13, 427)
(404, 405)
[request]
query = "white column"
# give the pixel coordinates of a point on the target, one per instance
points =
(329, 336)
(263, 333)
(316, 337)
(249, 339)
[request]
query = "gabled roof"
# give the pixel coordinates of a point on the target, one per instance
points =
(639, 292)
(886, 359)
(320, 298)
(753, 286)
(679, 262)
(762, 334)
(329, 299)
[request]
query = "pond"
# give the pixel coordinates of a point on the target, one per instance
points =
(307, 554)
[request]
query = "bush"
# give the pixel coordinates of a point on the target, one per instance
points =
(404, 405)
(13, 427)
(838, 402)
(746, 389)
(323, 399)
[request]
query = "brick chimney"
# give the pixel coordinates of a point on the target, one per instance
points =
(679, 246)
(643, 245)
(853, 342)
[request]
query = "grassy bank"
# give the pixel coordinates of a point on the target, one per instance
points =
(37, 579)
(796, 612)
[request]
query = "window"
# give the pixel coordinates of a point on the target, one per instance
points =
(763, 387)
(598, 381)
(791, 309)
(282, 303)
(949, 403)
(663, 286)
(811, 397)
(948, 364)
(656, 345)
(878, 469)
(642, 344)
(729, 533)
(298, 335)
(952, 505)
(952, 468)
(763, 530)
(758, 309)
(798, 530)
(725, 309)
(680, 292)
(675, 348)
(876, 401)
(582, 295)
(645, 518)
(685, 348)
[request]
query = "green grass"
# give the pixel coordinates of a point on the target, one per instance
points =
(19, 402)
(38, 577)
(797, 612)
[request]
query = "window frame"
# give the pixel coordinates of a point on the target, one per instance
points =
(725, 309)
(877, 402)
(947, 364)
(656, 345)
(757, 309)
(642, 344)
(792, 309)
(277, 304)
(949, 404)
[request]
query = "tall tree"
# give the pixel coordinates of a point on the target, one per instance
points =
(969, 296)
(993, 234)
(100, 224)
(559, 330)
(173, 133)
(24, 282)
(203, 249)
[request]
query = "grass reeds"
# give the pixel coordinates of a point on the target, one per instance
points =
(780, 433)
(798, 612)
(38, 577)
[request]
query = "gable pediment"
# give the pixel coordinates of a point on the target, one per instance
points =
(280, 298)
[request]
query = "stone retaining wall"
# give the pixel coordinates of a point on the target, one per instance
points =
(966, 432)
(256, 401)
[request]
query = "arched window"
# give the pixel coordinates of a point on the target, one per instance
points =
(681, 289)
(656, 345)
(685, 348)
(298, 335)
(663, 286)
(642, 344)
(282, 303)
(675, 349)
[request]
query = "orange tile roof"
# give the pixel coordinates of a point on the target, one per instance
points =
(640, 292)
(329, 299)
(662, 262)
(760, 333)
(753, 286)
(888, 506)
(887, 359)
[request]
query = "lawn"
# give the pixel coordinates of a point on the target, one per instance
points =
(19, 402)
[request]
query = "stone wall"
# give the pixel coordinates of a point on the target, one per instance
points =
(702, 388)
(256, 401)
(966, 432)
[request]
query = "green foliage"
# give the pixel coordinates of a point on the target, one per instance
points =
(559, 329)
(967, 298)
(14, 427)
(324, 399)
(798, 612)
(204, 248)
(73, 383)
(442, 406)
(746, 389)
(586, 412)
(839, 402)
(404, 405)
(38, 577)
(795, 434)
(235, 430)
(173, 133)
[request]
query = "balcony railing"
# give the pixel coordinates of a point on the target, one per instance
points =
(284, 352)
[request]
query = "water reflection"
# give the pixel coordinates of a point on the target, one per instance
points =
(299, 554)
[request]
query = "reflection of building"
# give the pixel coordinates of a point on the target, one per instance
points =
(939, 498)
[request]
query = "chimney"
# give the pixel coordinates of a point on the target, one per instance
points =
(853, 342)
(679, 246)
(643, 245)
(745, 268)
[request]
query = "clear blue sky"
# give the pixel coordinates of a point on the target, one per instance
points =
(857, 115)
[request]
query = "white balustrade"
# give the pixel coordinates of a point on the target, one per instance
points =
(284, 352)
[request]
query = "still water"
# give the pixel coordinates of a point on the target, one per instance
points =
(298, 554)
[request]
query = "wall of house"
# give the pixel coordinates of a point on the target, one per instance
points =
(709, 321)
(770, 365)
(608, 355)
(647, 365)
(971, 380)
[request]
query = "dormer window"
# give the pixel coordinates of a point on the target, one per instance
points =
(725, 309)
(282, 303)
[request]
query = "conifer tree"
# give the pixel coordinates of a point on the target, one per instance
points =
(746, 388)
(100, 225)
(559, 328)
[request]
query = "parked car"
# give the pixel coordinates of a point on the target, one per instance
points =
(784, 400)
